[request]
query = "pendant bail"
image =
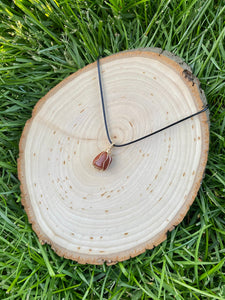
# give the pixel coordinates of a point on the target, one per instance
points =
(109, 149)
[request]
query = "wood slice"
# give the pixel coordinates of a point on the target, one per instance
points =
(94, 216)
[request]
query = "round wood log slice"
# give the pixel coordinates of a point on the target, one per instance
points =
(94, 216)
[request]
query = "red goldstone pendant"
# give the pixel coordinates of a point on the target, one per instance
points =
(102, 160)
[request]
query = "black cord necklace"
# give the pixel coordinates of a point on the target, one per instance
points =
(103, 160)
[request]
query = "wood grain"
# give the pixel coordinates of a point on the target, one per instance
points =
(93, 216)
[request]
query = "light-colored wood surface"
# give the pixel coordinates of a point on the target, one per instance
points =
(93, 216)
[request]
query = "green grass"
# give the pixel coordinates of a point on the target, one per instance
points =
(41, 43)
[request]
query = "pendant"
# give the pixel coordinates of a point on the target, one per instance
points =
(103, 160)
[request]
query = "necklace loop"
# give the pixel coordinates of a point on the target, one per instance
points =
(143, 137)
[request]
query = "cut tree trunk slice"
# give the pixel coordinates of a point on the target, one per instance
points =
(94, 216)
